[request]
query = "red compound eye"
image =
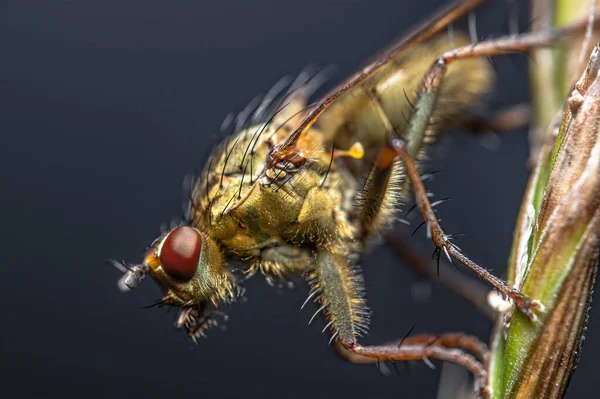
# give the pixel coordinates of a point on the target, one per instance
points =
(180, 253)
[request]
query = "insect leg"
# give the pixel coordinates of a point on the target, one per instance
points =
(467, 343)
(453, 347)
(397, 146)
(382, 190)
(338, 289)
(431, 83)
(281, 262)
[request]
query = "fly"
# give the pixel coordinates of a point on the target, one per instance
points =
(286, 193)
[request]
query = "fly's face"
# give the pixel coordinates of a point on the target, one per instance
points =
(190, 269)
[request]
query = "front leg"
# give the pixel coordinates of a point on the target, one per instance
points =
(452, 347)
(338, 289)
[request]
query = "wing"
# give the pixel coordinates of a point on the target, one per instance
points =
(424, 32)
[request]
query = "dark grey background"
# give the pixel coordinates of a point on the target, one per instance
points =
(106, 105)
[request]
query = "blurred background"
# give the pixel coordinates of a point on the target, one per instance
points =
(106, 105)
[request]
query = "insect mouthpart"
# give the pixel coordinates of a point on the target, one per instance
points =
(132, 275)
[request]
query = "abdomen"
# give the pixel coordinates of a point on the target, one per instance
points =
(382, 104)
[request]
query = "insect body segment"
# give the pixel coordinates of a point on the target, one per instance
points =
(383, 104)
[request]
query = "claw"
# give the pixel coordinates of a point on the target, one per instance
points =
(531, 308)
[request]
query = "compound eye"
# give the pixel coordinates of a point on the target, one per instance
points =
(180, 253)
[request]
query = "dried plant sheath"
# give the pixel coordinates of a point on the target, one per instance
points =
(555, 254)
(553, 70)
